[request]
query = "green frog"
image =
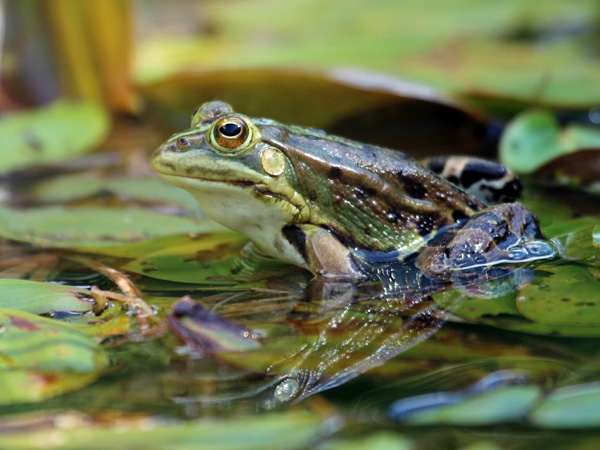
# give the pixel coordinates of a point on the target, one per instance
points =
(330, 204)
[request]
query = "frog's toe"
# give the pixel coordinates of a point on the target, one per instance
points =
(499, 234)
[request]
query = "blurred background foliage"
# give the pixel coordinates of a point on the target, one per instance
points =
(105, 49)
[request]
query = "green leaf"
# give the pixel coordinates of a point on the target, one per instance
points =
(43, 298)
(41, 357)
(534, 138)
(582, 246)
(149, 189)
(89, 228)
(567, 295)
(273, 431)
(570, 407)
(382, 440)
(209, 259)
(500, 405)
(495, 303)
(59, 131)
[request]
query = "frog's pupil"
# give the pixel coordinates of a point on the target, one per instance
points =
(183, 142)
(230, 129)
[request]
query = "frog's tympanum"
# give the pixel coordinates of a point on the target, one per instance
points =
(328, 204)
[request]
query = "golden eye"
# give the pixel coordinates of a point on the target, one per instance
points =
(231, 134)
(182, 143)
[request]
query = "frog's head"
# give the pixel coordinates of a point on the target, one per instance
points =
(239, 178)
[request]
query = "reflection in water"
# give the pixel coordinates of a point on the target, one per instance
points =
(313, 339)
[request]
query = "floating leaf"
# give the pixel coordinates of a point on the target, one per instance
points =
(41, 357)
(209, 259)
(501, 405)
(569, 407)
(583, 245)
(149, 189)
(59, 131)
(382, 440)
(534, 138)
(43, 298)
(89, 228)
(566, 295)
(273, 431)
(499, 397)
(495, 303)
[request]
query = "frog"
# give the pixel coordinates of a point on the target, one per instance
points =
(329, 204)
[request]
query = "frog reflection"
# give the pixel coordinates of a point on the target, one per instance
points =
(310, 346)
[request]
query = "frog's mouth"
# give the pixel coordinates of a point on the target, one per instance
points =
(284, 198)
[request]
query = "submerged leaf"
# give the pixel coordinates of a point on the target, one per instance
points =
(41, 357)
(207, 332)
(59, 131)
(43, 298)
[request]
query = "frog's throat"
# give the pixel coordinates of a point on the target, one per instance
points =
(288, 202)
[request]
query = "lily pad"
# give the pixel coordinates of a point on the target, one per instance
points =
(583, 245)
(148, 189)
(501, 405)
(495, 303)
(273, 431)
(383, 440)
(569, 407)
(534, 138)
(210, 259)
(43, 298)
(566, 295)
(41, 357)
(89, 228)
(60, 131)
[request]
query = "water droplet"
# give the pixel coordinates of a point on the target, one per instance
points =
(287, 389)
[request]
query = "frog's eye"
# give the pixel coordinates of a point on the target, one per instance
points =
(182, 143)
(231, 134)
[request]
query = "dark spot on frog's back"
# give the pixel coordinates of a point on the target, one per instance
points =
(335, 173)
(413, 187)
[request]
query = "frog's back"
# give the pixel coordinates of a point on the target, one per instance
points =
(372, 197)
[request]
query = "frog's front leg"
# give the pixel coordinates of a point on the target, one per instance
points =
(323, 253)
(502, 233)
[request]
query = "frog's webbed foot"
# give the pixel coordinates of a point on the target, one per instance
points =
(489, 181)
(502, 233)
